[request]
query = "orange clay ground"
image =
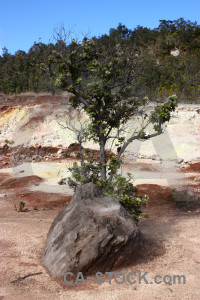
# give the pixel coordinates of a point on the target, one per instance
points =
(171, 245)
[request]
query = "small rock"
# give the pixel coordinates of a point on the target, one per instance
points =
(72, 154)
(180, 160)
(5, 148)
(28, 159)
(142, 156)
(60, 151)
(41, 152)
(155, 157)
(38, 159)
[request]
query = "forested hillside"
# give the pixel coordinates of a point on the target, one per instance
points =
(169, 61)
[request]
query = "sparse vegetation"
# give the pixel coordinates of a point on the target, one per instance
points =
(47, 207)
(120, 187)
(145, 215)
(21, 207)
(187, 198)
(9, 142)
(62, 181)
(66, 154)
(161, 73)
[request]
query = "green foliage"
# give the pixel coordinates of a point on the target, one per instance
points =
(120, 187)
(8, 142)
(21, 206)
(30, 71)
(62, 181)
(87, 172)
(162, 112)
(125, 192)
(187, 198)
(47, 207)
(161, 74)
(66, 153)
(114, 164)
(87, 151)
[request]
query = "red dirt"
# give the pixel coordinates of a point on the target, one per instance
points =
(41, 199)
(189, 178)
(9, 182)
(6, 109)
(5, 162)
(171, 240)
(32, 99)
(36, 120)
(158, 194)
(159, 198)
(47, 150)
(147, 168)
(16, 189)
(192, 168)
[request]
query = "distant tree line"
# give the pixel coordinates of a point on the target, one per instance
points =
(160, 73)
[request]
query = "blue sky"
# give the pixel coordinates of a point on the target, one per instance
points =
(22, 22)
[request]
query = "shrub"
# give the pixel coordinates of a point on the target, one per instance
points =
(87, 172)
(66, 153)
(47, 207)
(126, 193)
(9, 142)
(62, 181)
(21, 207)
(187, 198)
(120, 187)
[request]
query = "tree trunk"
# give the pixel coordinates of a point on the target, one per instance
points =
(81, 154)
(103, 158)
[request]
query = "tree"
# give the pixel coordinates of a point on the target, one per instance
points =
(41, 68)
(103, 77)
(160, 73)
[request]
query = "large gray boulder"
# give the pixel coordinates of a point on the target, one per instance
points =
(93, 234)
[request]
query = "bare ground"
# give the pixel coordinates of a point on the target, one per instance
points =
(171, 246)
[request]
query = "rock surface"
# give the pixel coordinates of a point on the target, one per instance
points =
(35, 120)
(93, 234)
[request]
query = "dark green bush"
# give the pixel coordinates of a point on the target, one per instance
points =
(120, 187)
